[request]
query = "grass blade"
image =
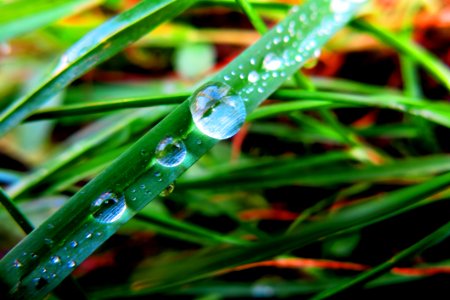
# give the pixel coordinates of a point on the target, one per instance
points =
(97, 46)
(97, 211)
(19, 17)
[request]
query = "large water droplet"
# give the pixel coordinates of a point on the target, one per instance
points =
(272, 62)
(217, 110)
(108, 207)
(170, 152)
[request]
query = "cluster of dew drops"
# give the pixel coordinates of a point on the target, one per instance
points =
(217, 111)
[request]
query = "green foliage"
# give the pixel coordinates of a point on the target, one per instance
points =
(132, 157)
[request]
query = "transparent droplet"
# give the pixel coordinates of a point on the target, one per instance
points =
(253, 76)
(17, 264)
(55, 259)
(312, 62)
(272, 62)
(71, 264)
(170, 152)
(73, 244)
(89, 235)
(108, 208)
(48, 241)
(168, 190)
(217, 110)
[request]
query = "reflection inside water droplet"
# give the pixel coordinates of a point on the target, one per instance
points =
(108, 208)
(170, 152)
(217, 110)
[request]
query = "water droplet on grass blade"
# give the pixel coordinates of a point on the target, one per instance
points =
(253, 76)
(272, 62)
(71, 264)
(17, 264)
(168, 190)
(55, 259)
(40, 282)
(170, 152)
(108, 208)
(73, 244)
(217, 110)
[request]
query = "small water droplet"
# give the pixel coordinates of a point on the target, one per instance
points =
(55, 259)
(71, 264)
(108, 208)
(217, 110)
(252, 61)
(253, 76)
(89, 235)
(170, 152)
(226, 77)
(168, 190)
(48, 241)
(260, 90)
(73, 244)
(17, 264)
(34, 256)
(199, 142)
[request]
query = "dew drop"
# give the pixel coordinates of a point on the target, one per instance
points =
(226, 77)
(217, 110)
(272, 62)
(170, 152)
(253, 76)
(73, 244)
(71, 264)
(108, 207)
(48, 241)
(89, 235)
(55, 259)
(17, 264)
(168, 190)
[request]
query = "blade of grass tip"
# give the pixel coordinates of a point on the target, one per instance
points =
(105, 106)
(69, 285)
(112, 198)
(427, 60)
(429, 241)
(94, 48)
(19, 17)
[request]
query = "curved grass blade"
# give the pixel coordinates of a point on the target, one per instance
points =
(94, 48)
(429, 241)
(210, 263)
(312, 171)
(97, 211)
(415, 52)
(105, 106)
(19, 17)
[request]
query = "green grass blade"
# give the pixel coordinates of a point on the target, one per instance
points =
(105, 106)
(97, 46)
(99, 133)
(15, 212)
(312, 171)
(346, 220)
(428, 61)
(434, 238)
(19, 17)
(136, 177)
